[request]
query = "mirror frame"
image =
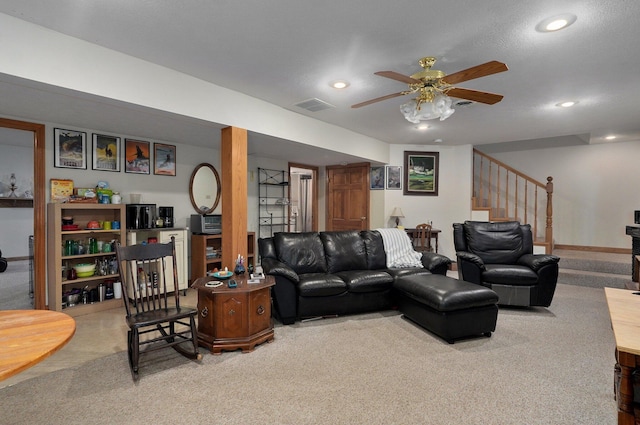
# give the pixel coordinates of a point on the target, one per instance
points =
(217, 183)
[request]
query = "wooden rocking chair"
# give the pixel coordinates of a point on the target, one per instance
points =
(146, 283)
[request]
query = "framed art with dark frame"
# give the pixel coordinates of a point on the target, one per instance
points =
(376, 178)
(106, 153)
(393, 179)
(137, 156)
(421, 173)
(69, 149)
(164, 157)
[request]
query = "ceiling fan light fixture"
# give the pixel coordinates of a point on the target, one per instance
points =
(416, 110)
(556, 23)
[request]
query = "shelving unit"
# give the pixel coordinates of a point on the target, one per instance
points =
(273, 201)
(58, 262)
(206, 254)
(163, 235)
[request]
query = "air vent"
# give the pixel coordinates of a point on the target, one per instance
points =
(314, 105)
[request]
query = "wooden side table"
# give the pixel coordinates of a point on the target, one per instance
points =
(232, 318)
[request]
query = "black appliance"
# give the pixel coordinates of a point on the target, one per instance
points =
(166, 214)
(206, 224)
(141, 216)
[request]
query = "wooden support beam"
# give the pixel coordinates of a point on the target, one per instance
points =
(233, 160)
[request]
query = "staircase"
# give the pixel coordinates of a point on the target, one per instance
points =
(506, 194)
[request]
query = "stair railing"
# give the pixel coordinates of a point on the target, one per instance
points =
(508, 194)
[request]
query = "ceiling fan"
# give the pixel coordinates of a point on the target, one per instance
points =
(435, 86)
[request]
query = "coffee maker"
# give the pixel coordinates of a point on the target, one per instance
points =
(166, 214)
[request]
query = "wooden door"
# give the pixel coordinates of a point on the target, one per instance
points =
(348, 197)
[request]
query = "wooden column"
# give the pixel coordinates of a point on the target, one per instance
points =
(233, 158)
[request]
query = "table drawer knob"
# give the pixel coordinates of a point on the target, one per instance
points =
(260, 310)
(204, 312)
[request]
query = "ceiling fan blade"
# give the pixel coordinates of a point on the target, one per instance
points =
(476, 96)
(398, 77)
(478, 71)
(377, 99)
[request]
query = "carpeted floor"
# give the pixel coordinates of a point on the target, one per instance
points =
(541, 366)
(14, 286)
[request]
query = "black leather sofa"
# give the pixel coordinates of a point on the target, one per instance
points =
(499, 255)
(334, 273)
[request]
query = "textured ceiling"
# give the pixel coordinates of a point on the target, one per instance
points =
(287, 51)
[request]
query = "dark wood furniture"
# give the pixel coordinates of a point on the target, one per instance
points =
(30, 336)
(146, 291)
(434, 235)
(232, 318)
(624, 311)
(206, 254)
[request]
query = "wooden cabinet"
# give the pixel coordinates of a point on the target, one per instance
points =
(164, 236)
(232, 318)
(206, 254)
(59, 261)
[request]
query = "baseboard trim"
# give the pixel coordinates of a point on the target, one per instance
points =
(594, 249)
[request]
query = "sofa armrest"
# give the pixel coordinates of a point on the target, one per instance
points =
(470, 267)
(470, 258)
(436, 263)
(536, 261)
(274, 267)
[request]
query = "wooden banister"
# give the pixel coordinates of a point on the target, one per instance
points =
(508, 194)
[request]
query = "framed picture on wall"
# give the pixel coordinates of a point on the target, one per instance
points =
(376, 178)
(393, 179)
(421, 173)
(137, 156)
(164, 159)
(106, 152)
(69, 149)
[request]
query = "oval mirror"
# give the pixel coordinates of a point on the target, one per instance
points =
(204, 188)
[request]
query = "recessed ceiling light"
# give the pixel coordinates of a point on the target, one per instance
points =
(438, 140)
(610, 137)
(567, 104)
(556, 23)
(422, 127)
(339, 84)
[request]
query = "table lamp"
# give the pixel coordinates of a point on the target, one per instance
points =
(397, 213)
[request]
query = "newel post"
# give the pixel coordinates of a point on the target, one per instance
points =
(549, 229)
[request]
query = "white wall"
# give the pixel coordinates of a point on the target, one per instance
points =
(453, 203)
(16, 224)
(596, 190)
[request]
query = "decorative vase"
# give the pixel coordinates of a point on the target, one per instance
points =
(239, 269)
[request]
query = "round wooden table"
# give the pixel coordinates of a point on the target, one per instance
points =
(29, 336)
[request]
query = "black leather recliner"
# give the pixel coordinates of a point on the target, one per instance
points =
(500, 256)
(3, 263)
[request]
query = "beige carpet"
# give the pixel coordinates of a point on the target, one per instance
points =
(541, 366)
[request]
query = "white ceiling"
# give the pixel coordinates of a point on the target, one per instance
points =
(287, 51)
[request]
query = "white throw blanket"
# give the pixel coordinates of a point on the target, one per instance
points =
(397, 246)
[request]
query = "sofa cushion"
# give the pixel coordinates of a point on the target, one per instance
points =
(320, 285)
(303, 252)
(366, 280)
(376, 258)
(409, 271)
(509, 275)
(344, 250)
(495, 242)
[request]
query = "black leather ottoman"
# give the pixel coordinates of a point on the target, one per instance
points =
(450, 308)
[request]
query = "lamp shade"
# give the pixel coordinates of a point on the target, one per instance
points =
(397, 212)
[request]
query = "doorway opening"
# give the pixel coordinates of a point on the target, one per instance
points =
(303, 197)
